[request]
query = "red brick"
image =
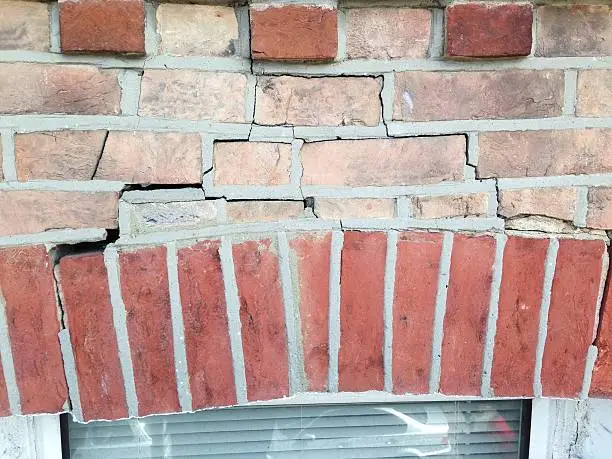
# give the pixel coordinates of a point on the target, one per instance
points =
(102, 25)
(571, 316)
(312, 252)
(360, 362)
(26, 282)
(144, 285)
(601, 382)
(416, 286)
(5, 409)
(209, 356)
(488, 30)
(264, 336)
(294, 33)
(520, 297)
(89, 314)
(467, 308)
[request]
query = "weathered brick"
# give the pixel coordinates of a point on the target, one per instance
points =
(387, 33)
(1, 162)
(264, 335)
(207, 344)
(59, 155)
(251, 163)
(571, 316)
(151, 217)
(544, 153)
(360, 360)
(263, 211)
(337, 101)
(501, 94)
(25, 25)
(311, 253)
(594, 93)
(518, 319)
(193, 95)
(550, 202)
(416, 286)
(294, 33)
(467, 205)
(488, 30)
(5, 408)
(577, 30)
(334, 208)
(599, 211)
(102, 25)
(384, 162)
(467, 308)
(151, 157)
(197, 30)
(144, 287)
(89, 316)
(601, 382)
(30, 211)
(47, 89)
(28, 290)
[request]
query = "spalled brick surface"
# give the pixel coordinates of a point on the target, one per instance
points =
(144, 287)
(268, 163)
(26, 283)
(24, 26)
(89, 316)
(102, 25)
(601, 383)
(488, 30)
(465, 322)
(354, 208)
(424, 96)
(416, 286)
(594, 93)
(360, 361)
(306, 101)
(264, 336)
(551, 202)
(520, 298)
(571, 316)
(450, 206)
(209, 358)
(312, 258)
(599, 211)
(294, 33)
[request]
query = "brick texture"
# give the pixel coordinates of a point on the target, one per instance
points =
(25, 26)
(599, 210)
(354, 208)
(470, 205)
(601, 383)
(263, 211)
(267, 163)
(594, 93)
(550, 202)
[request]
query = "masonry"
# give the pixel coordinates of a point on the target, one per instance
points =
(205, 204)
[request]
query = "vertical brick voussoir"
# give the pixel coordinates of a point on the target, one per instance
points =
(601, 382)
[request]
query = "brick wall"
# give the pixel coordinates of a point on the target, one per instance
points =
(204, 204)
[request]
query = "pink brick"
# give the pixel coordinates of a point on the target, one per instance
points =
(469, 205)
(25, 25)
(599, 210)
(251, 163)
(550, 202)
(263, 211)
(594, 93)
(334, 208)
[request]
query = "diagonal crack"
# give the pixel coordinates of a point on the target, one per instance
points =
(97, 165)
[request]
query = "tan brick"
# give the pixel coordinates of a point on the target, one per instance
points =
(544, 153)
(197, 30)
(423, 96)
(578, 30)
(151, 157)
(24, 25)
(193, 95)
(469, 205)
(336, 209)
(384, 162)
(251, 163)
(387, 33)
(336, 101)
(264, 211)
(59, 155)
(548, 202)
(28, 211)
(47, 89)
(599, 212)
(594, 93)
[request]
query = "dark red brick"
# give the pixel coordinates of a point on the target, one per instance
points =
(520, 298)
(312, 252)
(360, 361)
(144, 285)
(26, 282)
(207, 344)
(416, 285)
(294, 33)
(467, 308)
(102, 26)
(89, 313)
(601, 383)
(262, 315)
(5, 408)
(571, 316)
(488, 30)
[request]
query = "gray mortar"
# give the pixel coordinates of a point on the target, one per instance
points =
(390, 262)
(70, 373)
(334, 307)
(9, 167)
(8, 367)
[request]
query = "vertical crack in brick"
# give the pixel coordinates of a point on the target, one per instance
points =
(97, 165)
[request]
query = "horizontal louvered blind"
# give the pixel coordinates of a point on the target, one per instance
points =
(479, 429)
